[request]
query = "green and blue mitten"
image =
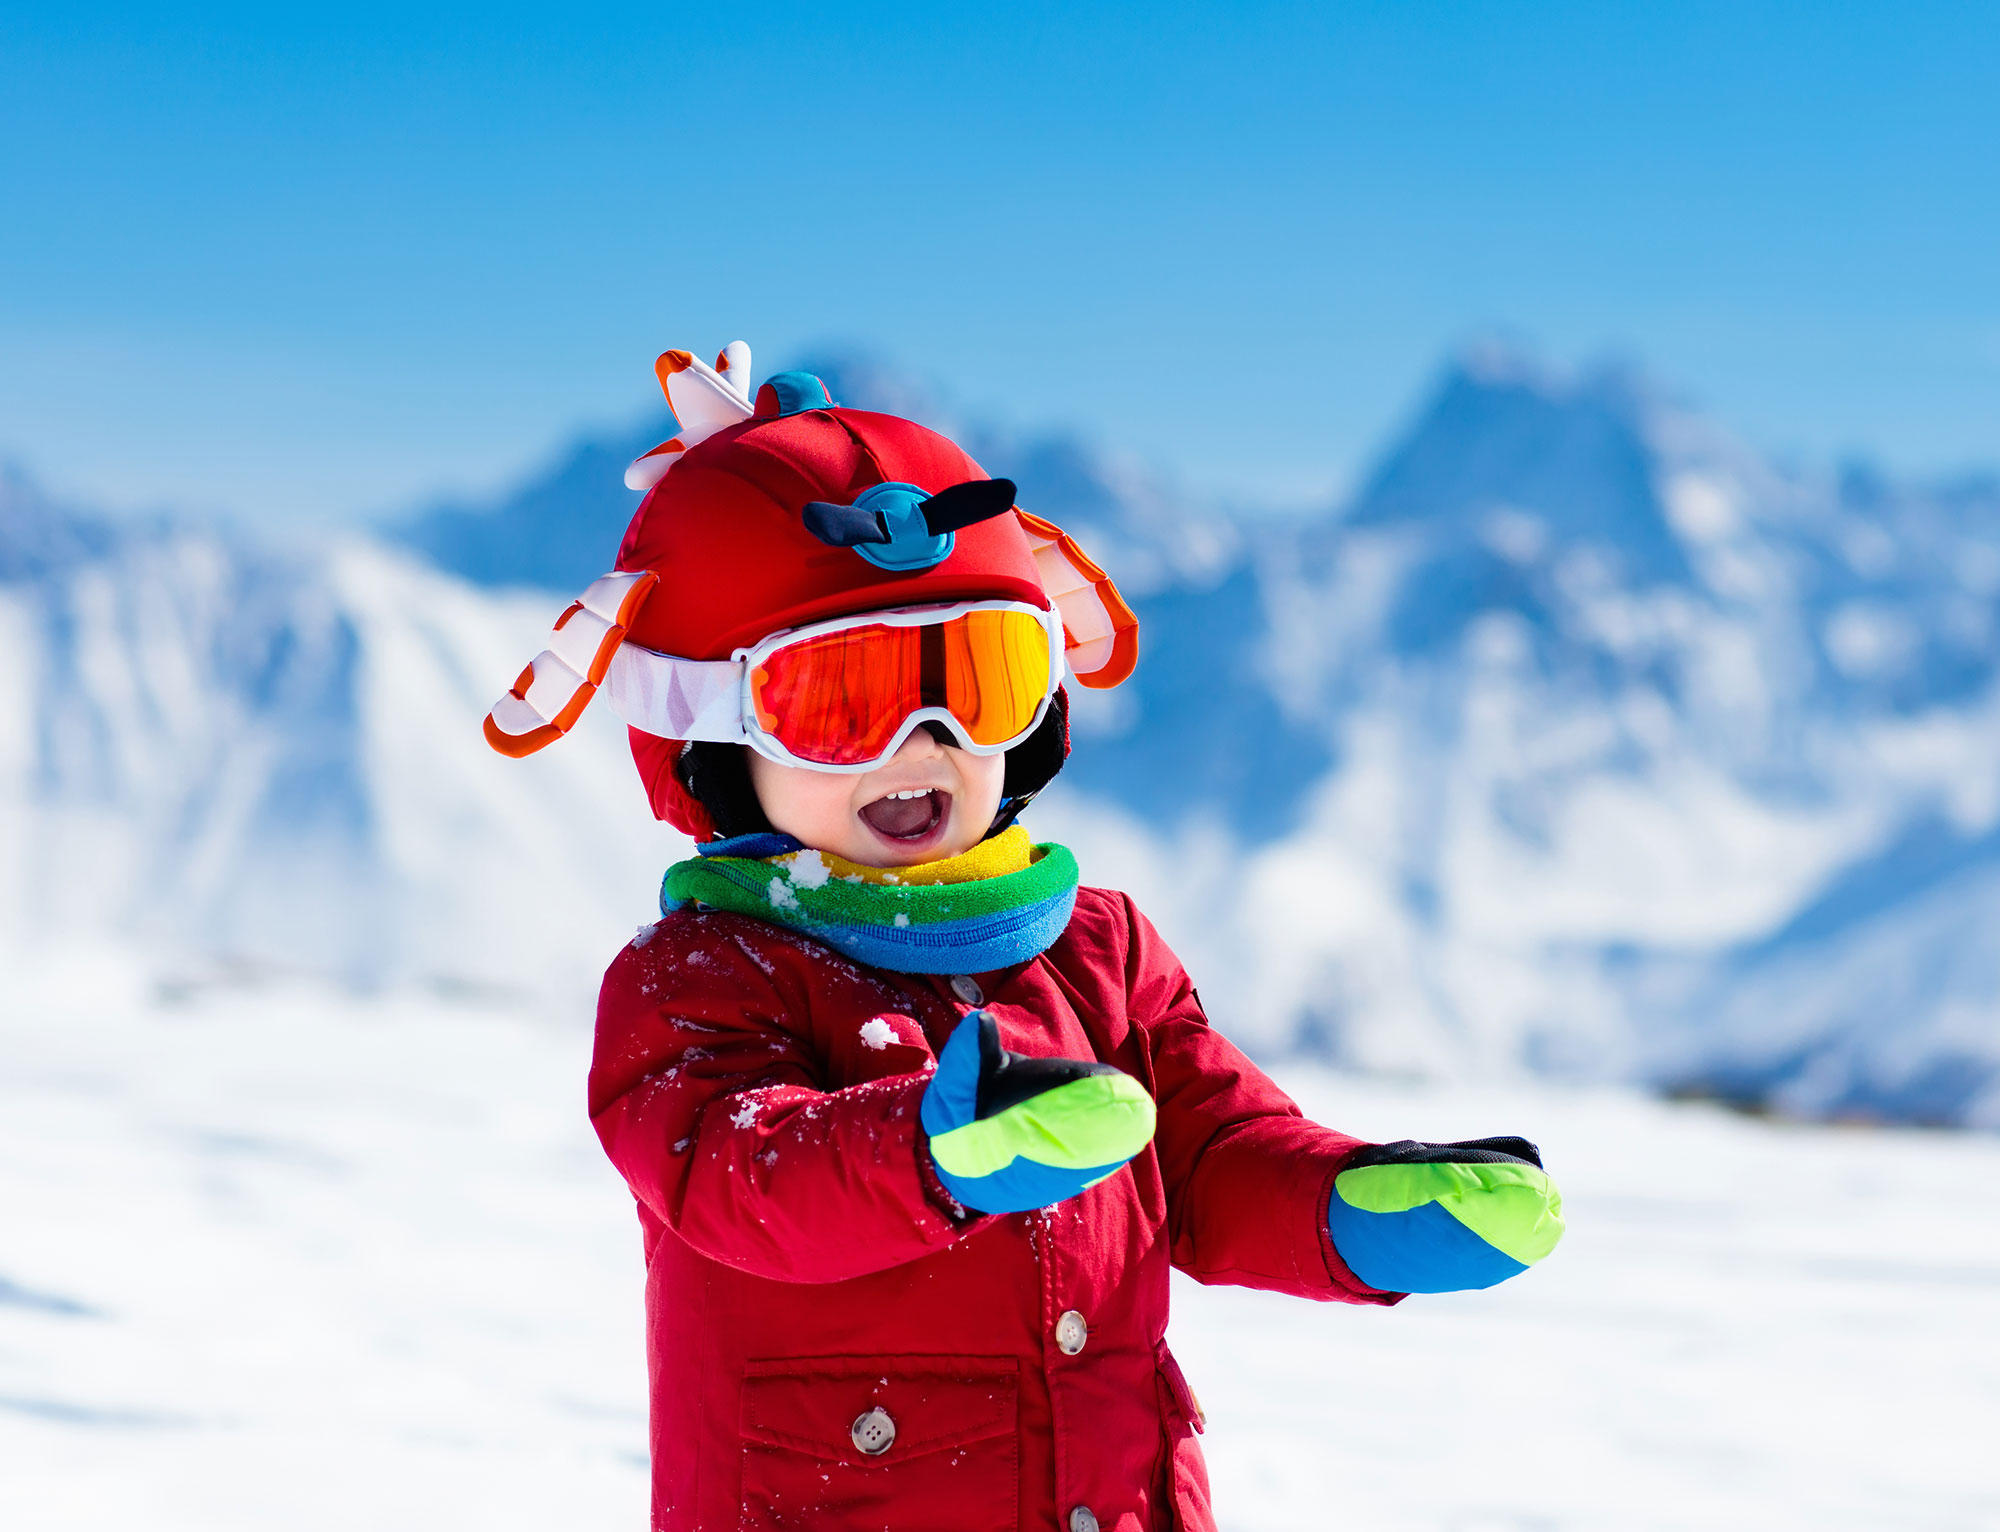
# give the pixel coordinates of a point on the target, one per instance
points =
(1444, 1218)
(1010, 1132)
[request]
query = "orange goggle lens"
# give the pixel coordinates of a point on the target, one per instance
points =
(838, 699)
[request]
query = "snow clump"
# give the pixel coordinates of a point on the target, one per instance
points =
(809, 870)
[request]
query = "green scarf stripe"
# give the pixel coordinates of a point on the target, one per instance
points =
(969, 927)
(744, 885)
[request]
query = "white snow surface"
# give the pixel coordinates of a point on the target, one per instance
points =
(280, 1256)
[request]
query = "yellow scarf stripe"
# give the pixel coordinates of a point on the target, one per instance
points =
(1009, 851)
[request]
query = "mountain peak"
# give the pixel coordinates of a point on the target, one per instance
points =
(1612, 381)
(37, 533)
(1502, 431)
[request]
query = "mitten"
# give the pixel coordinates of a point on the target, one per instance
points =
(1443, 1218)
(1010, 1132)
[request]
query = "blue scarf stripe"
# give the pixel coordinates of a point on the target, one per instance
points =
(995, 921)
(979, 945)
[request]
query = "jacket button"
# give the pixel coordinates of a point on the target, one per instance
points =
(875, 1432)
(1071, 1333)
(967, 988)
(1082, 1519)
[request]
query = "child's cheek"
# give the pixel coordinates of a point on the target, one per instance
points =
(815, 806)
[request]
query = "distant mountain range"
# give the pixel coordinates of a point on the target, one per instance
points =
(1580, 740)
(251, 759)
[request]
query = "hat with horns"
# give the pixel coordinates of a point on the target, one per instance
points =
(763, 514)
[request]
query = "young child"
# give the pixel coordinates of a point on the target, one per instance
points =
(917, 1124)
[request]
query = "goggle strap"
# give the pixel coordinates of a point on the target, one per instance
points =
(675, 698)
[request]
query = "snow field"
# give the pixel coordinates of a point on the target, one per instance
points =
(1748, 1326)
(277, 1256)
(341, 1264)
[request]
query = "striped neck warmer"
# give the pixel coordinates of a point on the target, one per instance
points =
(1002, 902)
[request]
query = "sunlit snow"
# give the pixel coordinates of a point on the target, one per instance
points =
(277, 1257)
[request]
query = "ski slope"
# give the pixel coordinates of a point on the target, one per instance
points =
(271, 1256)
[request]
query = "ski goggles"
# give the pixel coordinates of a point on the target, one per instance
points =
(844, 694)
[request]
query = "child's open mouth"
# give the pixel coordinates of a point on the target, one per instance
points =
(910, 819)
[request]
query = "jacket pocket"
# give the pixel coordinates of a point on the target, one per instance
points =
(896, 1441)
(1186, 1471)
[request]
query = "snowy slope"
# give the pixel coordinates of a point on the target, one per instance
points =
(179, 727)
(238, 756)
(559, 529)
(279, 1257)
(1618, 707)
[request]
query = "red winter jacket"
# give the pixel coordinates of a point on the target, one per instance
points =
(809, 1288)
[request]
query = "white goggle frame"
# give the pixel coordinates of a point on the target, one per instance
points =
(710, 699)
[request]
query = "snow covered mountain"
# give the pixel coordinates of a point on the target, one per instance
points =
(1647, 742)
(1580, 741)
(272, 760)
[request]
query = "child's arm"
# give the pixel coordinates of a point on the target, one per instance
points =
(707, 1104)
(1250, 1181)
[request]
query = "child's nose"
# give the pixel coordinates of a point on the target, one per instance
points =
(926, 740)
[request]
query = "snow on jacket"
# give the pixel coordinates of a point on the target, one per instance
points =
(812, 1291)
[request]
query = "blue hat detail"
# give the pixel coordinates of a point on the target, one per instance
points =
(900, 527)
(792, 393)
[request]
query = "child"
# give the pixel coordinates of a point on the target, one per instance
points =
(917, 1124)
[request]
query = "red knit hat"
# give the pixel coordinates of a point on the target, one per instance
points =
(720, 554)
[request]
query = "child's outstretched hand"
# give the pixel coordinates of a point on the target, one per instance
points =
(1444, 1218)
(1010, 1132)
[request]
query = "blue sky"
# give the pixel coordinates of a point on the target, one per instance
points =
(300, 263)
